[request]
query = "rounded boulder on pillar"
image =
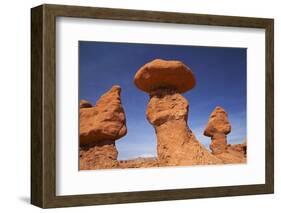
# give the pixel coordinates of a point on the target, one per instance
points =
(218, 123)
(217, 128)
(164, 74)
(167, 111)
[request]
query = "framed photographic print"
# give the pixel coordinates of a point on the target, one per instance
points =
(137, 106)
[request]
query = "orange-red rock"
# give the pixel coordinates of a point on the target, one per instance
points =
(102, 155)
(235, 153)
(104, 121)
(217, 128)
(167, 111)
(164, 74)
(138, 163)
(100, 126)
(242, 148)
(85, 104)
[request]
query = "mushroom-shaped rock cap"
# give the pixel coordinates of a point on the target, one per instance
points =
(161, 73)
(218, 123)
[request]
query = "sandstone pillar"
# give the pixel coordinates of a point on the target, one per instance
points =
(100, 126)
(167, 111)
(217, 128)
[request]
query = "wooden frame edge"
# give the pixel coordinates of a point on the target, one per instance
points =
(36, 106)
(269, 119)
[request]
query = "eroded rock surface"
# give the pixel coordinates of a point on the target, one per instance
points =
(139, 163)
(167, 111)
(100, 126)
(101, 155)
(164, 74)
(242, 148)
(85, 104)
(104, 121)
(217, 128)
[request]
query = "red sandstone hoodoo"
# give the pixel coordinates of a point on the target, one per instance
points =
(167, 111)
(100, 126)
(217, 128)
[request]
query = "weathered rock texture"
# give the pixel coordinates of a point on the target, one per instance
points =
(167, 74)
(241, 148)
(217, 128)
(105, 121)
(100, 126)
(139, 163)
(167, 111)
(85, 104)
(235, 153)
(100, 155)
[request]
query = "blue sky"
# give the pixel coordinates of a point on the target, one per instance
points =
(220, 81)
